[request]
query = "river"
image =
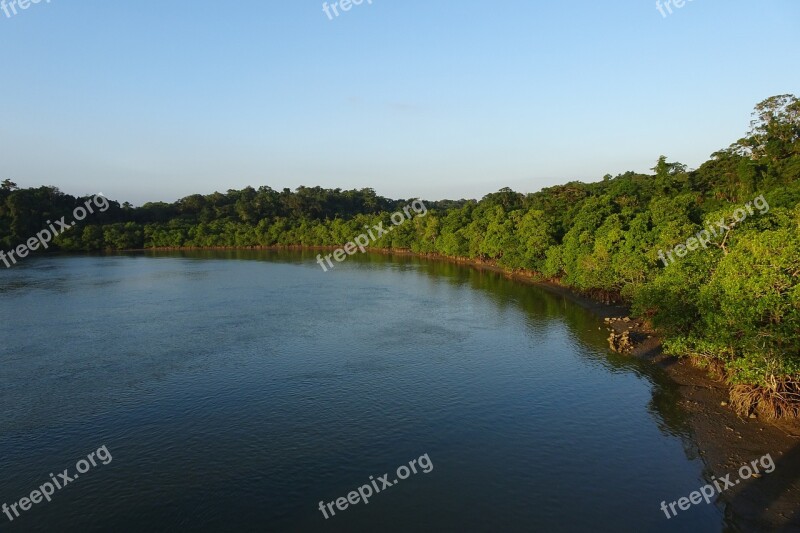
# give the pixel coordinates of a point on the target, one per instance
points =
(235, 391)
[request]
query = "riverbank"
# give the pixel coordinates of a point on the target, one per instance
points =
(724, 440)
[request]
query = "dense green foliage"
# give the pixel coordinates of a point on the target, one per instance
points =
(735, 303)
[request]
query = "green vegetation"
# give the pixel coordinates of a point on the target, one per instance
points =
(734, 306)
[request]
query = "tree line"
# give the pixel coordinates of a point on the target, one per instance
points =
(733, 306)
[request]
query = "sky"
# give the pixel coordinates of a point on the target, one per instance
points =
(154, 101)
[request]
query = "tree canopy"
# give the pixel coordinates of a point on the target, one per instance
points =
(735, 305)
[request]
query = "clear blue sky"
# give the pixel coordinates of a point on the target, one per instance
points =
(437, 98)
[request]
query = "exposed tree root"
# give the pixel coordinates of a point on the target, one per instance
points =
(779, 399)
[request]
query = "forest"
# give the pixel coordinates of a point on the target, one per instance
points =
(731, 305)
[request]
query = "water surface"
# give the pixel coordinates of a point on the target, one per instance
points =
(235, 391)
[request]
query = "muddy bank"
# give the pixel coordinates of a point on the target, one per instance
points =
(725, 440)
